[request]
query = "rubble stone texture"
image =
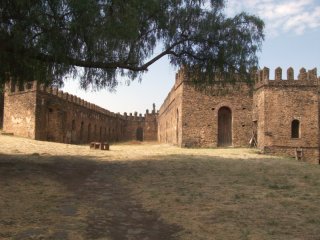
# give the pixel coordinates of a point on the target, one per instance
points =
(47, 114)
(267, 110)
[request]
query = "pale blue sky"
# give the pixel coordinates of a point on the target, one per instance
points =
(292, 39)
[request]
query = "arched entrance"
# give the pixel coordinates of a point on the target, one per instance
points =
(224, 127)
(139, 134)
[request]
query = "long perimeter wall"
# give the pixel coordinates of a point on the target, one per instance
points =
(41, 113)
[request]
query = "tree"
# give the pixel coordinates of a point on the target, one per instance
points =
(100, 40)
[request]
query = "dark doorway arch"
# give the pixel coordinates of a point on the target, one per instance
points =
(224, 127)
(81, 132)
(295, 129)
(73, 131)
(89, 132)
(139, 134)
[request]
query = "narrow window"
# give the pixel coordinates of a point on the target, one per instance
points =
(295, 129)
(81, 131)
(89, 132)
(13, 87)
(73, 125)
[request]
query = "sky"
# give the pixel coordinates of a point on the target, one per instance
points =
(292, 29)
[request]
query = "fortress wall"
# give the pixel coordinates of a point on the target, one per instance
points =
(41, 113)
(200, 114)
(170, 114)
(280, 102)
(134, 124)
(19, 110)
(151, 126)
(258, 116)
(65, 118)
(141, 128)
(1, 109)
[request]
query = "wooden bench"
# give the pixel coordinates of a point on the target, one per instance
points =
(99, 145)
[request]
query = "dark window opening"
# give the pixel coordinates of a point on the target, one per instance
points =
(295, 129)
(73, 127)
(81, 131)
(89, 132)
(13, 87)
(139, 134)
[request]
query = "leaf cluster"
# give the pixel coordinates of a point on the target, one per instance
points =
(100, 40)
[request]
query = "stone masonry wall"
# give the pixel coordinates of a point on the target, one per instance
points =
(188, 117)
(51, 115)
(19, 111)
(170, 114)
(200, 115)
(147, 124)
(266, 111)
(65, 118)
(277, 103)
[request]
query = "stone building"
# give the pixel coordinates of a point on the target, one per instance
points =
(279, 116)
(40, 113)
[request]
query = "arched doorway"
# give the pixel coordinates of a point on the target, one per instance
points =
(89, 132)
(224, 127)
(139, 134)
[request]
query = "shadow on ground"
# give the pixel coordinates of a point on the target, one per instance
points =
(72, 197)
(44, 197)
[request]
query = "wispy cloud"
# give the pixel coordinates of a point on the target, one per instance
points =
(281, 16)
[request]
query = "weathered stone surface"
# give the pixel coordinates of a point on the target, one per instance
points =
(51, 115)
(189, 117)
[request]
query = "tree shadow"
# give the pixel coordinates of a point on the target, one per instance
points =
(74, 197)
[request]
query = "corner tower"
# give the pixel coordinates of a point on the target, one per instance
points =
(286, 114)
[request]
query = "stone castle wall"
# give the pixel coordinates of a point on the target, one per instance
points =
(1, 109)
(19, 111)
(188, 117)
(200, 109)
(48, 114)
(265, 111)
(278, 103)
(170, 114)
(147, 124)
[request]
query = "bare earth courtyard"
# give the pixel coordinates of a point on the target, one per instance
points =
(152, 191)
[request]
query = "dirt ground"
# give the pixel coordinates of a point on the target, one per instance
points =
(153, 191)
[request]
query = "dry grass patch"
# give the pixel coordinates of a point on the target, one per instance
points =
(142, 191)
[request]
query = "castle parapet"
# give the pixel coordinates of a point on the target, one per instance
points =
(304, 77)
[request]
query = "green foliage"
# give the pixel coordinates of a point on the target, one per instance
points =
(100, 40)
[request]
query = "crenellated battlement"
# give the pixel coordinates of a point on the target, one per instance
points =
(76, 100)
(34, 86)
(262, 77)
(139, 117)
